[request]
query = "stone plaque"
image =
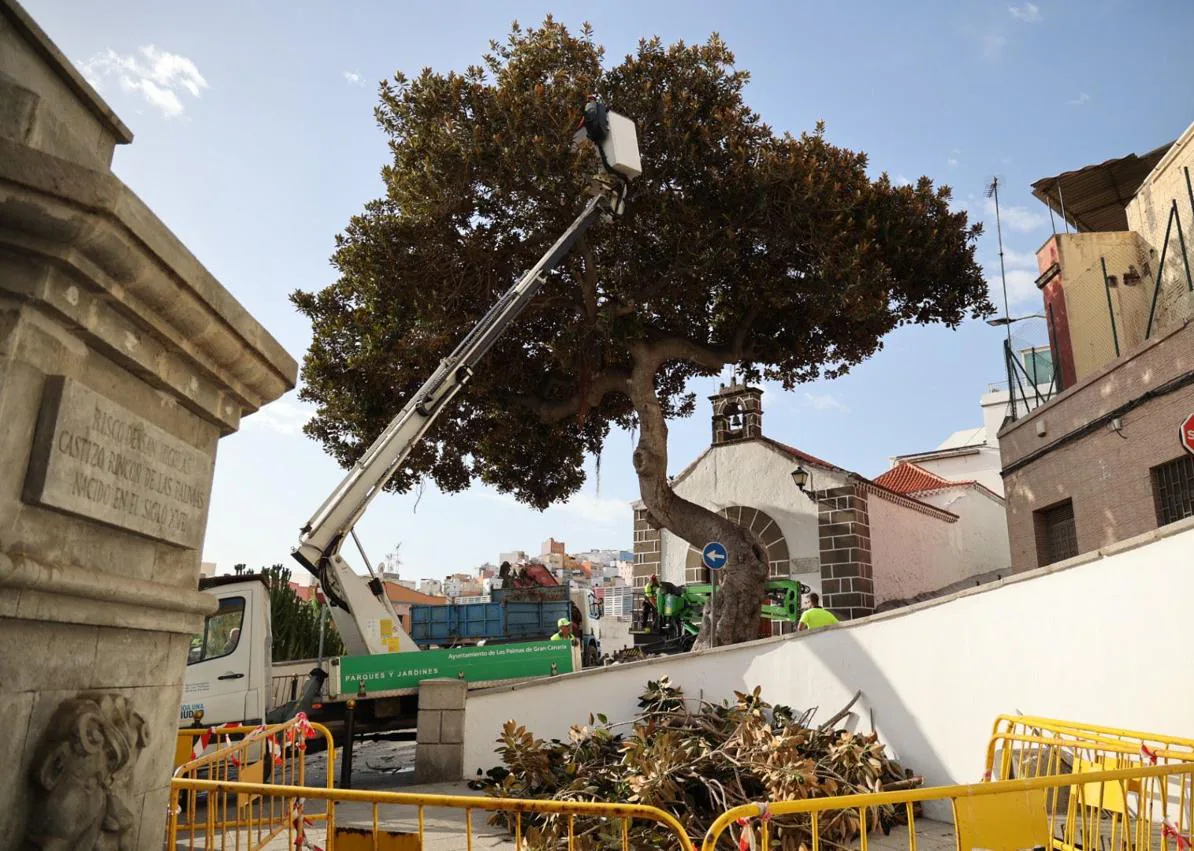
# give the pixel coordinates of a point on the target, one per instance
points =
(99, 460)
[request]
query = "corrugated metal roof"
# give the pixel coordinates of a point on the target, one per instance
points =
(1094, 197)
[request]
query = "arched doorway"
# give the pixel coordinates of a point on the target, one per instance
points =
(762, 525)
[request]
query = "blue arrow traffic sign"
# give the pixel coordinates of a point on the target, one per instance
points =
(714, 555)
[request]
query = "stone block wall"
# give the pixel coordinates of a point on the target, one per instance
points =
(122, 363)
(847, 578)
(439, 742)
(648, 548)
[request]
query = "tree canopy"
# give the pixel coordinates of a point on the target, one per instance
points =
(740, 245)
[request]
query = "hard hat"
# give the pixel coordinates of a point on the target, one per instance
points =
(563, 622)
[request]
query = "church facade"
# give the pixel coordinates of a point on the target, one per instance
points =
(861, 544)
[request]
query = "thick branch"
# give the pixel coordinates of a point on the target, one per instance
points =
(662, 348)
(588, 282)
(556, 410)
(741, 589)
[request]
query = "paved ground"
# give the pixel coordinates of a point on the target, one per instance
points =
(388, 765)
(445, 830)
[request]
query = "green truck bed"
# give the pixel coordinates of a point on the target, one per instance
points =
(397, 674)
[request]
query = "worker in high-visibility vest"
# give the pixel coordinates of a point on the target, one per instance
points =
(651, 619)
(565, 631)
(814, 616)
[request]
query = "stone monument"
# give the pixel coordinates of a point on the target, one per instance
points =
(122, 363)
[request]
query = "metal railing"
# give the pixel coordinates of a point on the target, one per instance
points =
(1126, 809)
(1026, 745)
(1026, 390)
(579, 824)
(262, 758)
(1048, 784)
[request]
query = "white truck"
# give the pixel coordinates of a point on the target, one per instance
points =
(230, 675)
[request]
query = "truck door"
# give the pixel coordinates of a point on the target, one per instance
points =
(218, 667)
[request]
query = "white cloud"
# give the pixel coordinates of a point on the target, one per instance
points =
(1021, 286)
(598, 510)
(952, 162)
(1082, 98)
(1014, 259)
(1016, 218)
(284, 416)
(159, 76)
(902, 181)
(354, 78)
(824, 402)
(1028, 13)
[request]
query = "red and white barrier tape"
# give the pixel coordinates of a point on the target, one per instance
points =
(746, 838)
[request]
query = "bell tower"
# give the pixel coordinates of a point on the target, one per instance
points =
(737, 414)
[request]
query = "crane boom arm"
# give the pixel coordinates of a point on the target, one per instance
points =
(370, 474)
(363, 613)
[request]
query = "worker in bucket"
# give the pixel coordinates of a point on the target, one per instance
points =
(814, 616)
(565, 631)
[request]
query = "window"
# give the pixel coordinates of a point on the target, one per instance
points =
(221, 632)
(1038, 364)
(1056, 536)
(1173, 488)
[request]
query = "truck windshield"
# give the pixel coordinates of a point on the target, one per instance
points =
(221, 632)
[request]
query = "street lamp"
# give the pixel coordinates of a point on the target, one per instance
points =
(800, 477)
(1008, 320)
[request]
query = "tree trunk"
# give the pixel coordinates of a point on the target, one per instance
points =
(740, 587)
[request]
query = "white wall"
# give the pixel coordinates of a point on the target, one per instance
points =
(911, 551)
(982, 467)
(754, 474)
(1082, 640)
(981, 533)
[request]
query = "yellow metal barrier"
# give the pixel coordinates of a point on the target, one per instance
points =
(578, 822)
(1128, 809)
(259, 758)
(1023, 745)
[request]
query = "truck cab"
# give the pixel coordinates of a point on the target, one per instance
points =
(229, 664)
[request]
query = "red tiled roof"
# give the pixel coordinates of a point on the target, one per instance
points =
(303, 592)
(907, 477)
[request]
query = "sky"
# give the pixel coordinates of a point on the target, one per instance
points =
(255, 143)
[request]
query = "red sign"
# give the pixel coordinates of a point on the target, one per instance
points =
(1188, 433)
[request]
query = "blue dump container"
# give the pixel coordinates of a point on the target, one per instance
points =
(500, 621)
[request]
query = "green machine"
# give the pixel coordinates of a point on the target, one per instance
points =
(671, 618)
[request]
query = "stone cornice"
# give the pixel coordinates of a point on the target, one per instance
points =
(36, 36)
(134, 290)
(35, 590)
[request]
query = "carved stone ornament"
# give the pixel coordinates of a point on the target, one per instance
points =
(80, 776)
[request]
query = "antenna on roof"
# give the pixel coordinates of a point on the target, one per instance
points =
(993, 192)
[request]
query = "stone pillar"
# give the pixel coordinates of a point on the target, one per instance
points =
(122, 363)
(847, 581)
(648, 546)
(439, 742)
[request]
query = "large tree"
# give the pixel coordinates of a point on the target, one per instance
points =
(740, 246)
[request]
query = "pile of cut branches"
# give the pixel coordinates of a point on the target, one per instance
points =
(695, 760)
